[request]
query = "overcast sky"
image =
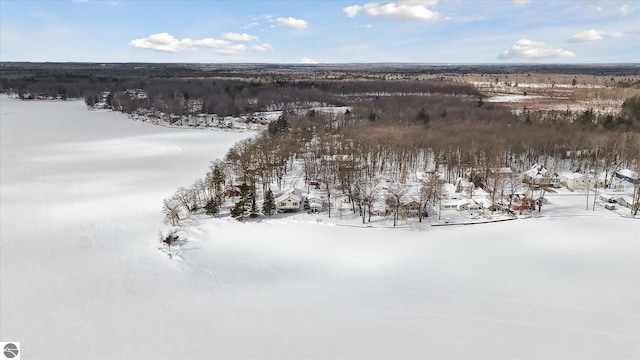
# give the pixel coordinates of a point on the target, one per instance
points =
(445, 31)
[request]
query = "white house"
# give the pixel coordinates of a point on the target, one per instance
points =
(289, 201)
(611, 182)
(576, 180)
(628, 175)
(572, 180)
(464, 186)
(539, 175)
(459, 205)
(316, 204)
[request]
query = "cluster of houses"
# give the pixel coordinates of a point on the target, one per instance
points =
(465, 197)
(613, 181)
(255, 121)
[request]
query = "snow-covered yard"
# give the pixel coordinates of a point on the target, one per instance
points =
(81, 276)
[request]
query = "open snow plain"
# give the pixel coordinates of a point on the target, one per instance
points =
(81, 276)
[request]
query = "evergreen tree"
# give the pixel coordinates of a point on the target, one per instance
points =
(269, 205)
(423, 117)
(238, 211)
(244, 205)
(109, 100)
(89, 100)
(279, 125)
(631, 109)
(211, 207)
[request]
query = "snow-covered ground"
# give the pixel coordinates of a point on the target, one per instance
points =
(81, 276)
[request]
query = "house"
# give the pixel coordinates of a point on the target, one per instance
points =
(379, 208)
(577, 180)
(289, 201)
(459, 205)
(628, 175)
(539, 175)
(626, 201)
(232, 191)
(464, 186)
(505, 171)
(411, 209)
(484, 202)
(315, 202)
(609, 181)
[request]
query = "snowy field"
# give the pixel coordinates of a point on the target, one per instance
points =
(81, 276)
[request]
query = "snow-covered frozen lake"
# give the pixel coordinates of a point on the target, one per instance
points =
(81, 276)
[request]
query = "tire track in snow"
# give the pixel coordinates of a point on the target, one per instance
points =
(214, 275)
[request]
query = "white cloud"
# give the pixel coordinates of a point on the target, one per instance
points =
(238, 37)
(616, 34)
(262, 47)
(308, 61)
(165, 42)
(624, 9)
(398, 10)
(292, 23)
(352, 11)
(250, 25)
(232, 50)
(209, 42)
(520, 2)
(366, 26)
(529, 49)
(593, 35)
(588, 35)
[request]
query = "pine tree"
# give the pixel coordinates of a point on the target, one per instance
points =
(237, 212)
(211, 207)
(268, 206)
(423, 117)
(244, 205)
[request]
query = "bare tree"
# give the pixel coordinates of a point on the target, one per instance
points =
(367, 195)
(327, 176)
(394, 199)
(171, 208)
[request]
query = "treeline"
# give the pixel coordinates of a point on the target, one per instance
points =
(180, 91)
(453, 135)
(238, 97)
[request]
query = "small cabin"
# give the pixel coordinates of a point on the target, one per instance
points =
(290, 201)
(232, 191)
